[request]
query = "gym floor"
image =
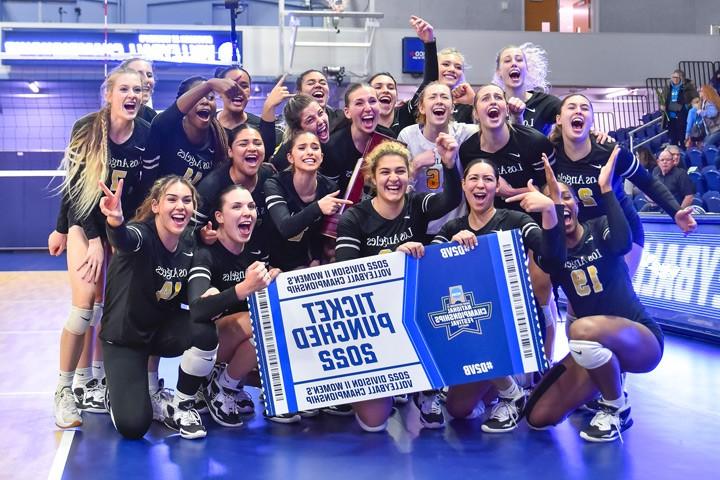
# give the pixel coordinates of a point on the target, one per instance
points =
(675, 433)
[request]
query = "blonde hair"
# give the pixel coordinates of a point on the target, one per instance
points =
(536, 64)
(144, 211)
(452, 51)
(384, 149)
(86, 156)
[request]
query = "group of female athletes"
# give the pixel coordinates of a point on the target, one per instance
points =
(172, 220)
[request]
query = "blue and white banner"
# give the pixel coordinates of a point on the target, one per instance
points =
(389, 324)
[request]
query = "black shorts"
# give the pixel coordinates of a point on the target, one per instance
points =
(654, 329)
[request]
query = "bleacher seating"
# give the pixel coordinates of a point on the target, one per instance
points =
(711, 177)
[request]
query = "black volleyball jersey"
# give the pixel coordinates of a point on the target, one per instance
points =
(147, 113)
(295, 239)
(541, 110)
(127, 161)
(542, 242)
(215, 266)
(517, 162)
(583, 175)
(177, 155)
(217, 181)
(146, 283)
(362, 231)
(594, 275)
(341, 156)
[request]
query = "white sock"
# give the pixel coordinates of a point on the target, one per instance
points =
(98, 367)
(617, 403)
(153, 382)
(226, 381)
(65, 379)
(83, 376)
(513, 391)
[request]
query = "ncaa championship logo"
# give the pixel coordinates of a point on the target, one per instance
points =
(460, 313)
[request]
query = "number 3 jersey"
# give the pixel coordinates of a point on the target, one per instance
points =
(146, 283)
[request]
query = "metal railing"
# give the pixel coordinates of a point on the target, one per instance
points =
(633, 132)
(629, 109)
(604, 121)
(700, 72)
(655, 86)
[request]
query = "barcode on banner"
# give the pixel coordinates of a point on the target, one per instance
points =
(271, 354)
(517, 300)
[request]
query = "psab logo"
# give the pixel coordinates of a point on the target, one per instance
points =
(460, 313)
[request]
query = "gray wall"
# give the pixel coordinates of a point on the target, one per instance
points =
(617, 16)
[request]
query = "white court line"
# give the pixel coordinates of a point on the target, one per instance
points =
(32, 173)
(24, 332)
(24, 394)
(61, 454)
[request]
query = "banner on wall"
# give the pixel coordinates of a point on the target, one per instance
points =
(389, 324)
(205, 47)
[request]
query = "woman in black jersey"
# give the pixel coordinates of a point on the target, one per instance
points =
(517, 152)
(222, 276)
(579, 160)
(302, 113)
(394, 220)
(349, 141)
(480, 185)
(386, 87)
(145, 69)
(297, 199)
(612, 334)
(314, 84)
(246, 152)
(105, 146)
(448, 67)
(234, 112)
(521, 71)
(186, 137)
(147, 283)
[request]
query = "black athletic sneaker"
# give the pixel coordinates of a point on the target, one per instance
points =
(90, 397)
(221, 404)
(431, 414)
(284, 418)
(504, 415)
(401, 399)
(593, 406)
(608, 424)
(339, 410)
(185, 420)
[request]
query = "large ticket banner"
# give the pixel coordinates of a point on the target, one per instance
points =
(390, 324)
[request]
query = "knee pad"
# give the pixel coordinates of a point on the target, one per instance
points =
(589, 354)
(79, 320)
(98, 309)
(551, 377)
(198, 363)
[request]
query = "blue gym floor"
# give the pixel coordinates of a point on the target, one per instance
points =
(676, 432)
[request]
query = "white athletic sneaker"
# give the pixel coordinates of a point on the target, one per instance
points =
(66, 412)
(504, 415)
(431, 414)
(90, 397)
(160, 401)
(244, 401)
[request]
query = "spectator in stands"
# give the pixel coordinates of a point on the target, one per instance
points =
(677, 97)
(675, 179)
(695, 129)
(677, 156)
(709, 114)
(715, 82)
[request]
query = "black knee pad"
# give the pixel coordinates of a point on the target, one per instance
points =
(551, 377)
(133, 428)
(205, 336)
